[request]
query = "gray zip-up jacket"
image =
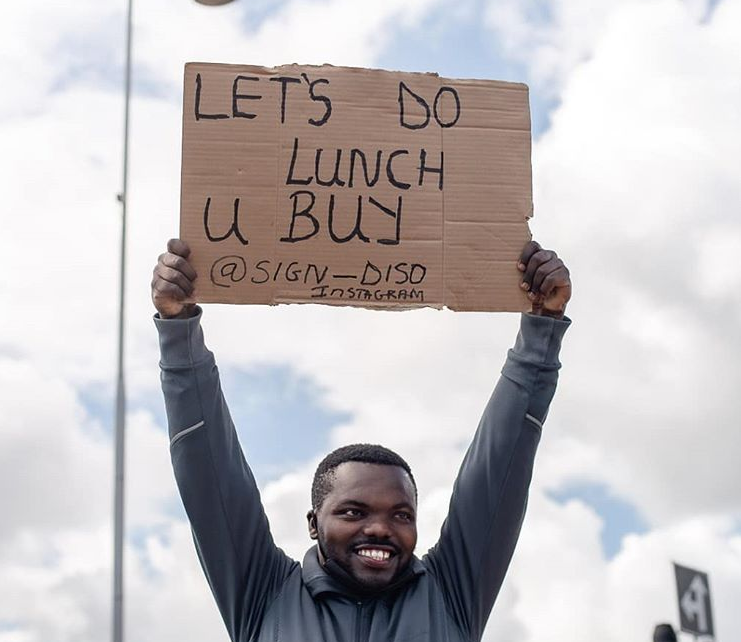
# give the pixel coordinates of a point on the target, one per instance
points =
(265, 596)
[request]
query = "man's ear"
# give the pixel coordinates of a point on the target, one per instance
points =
(311, 519)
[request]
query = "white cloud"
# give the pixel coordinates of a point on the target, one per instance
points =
(635, 197)
(567, 591)
(550, 36)
(553, 37)
(167, 595)
(49, 452)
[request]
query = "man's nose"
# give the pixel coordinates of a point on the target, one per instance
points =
(377, 527)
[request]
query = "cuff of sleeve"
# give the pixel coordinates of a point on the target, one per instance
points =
(539, 339)
(181, 340)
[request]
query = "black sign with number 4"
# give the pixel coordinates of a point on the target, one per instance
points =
(693, 593)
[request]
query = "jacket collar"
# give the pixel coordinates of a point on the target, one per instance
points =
(332, 578)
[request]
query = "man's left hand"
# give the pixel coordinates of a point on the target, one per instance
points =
(546, 280)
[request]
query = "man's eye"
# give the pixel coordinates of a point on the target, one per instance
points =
(404, 516)
(351, 512)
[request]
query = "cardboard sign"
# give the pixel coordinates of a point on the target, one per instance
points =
(354, 187)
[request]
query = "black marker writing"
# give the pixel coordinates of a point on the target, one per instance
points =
(228, 270)
(423, 168)
(236, 97)
(335, 180)
(340, 171)
(301, 213)
(290, 180)
(292, 272)
(358, 153)
(422, 117)
(234, 229)
(415, 295)
(319, 98)
(436, 109)
(356, 231)
(303, 208)
(390, 170)
(403, 111)
(398, 274)
(197, 103)
(395, 214)
(284, 80)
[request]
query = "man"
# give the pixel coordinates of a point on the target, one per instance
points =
(361, 582)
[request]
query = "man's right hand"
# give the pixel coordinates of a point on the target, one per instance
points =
(172, 282)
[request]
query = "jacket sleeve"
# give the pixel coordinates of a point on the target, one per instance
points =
(243, 566)
(489, 497)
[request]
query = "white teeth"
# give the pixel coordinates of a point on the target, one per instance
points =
(374, 554)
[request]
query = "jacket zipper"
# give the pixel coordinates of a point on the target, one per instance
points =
(358, 621)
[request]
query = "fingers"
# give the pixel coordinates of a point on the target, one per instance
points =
(531, 248)
(176, 246)
(173, 266)
(164, 291)
(172, 276)
(540, 263)
(172, 279)
(557, 279)
(178, 264)
(545, 278)
(549, 275)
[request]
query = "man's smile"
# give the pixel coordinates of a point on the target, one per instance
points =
(376, 556)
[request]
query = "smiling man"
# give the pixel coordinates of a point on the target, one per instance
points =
(362, 581)
(363, 516)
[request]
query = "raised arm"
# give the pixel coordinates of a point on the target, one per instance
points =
(489, 498)
(242, 564)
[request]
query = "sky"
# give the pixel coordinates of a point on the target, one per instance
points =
(637, 184)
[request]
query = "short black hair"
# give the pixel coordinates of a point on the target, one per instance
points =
(364, 453)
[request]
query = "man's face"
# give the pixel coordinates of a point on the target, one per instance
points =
(367, 523)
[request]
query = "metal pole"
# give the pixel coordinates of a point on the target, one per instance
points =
(118, 519)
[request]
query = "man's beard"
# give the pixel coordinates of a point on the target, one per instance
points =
(342, 571)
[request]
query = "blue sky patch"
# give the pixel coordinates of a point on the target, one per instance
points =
(279, 416)
(460, 46)
(8, 626)
(98, 400)
(620, 518)
(710, 10)
(92, 57)
(137, 538)
(255, 12)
